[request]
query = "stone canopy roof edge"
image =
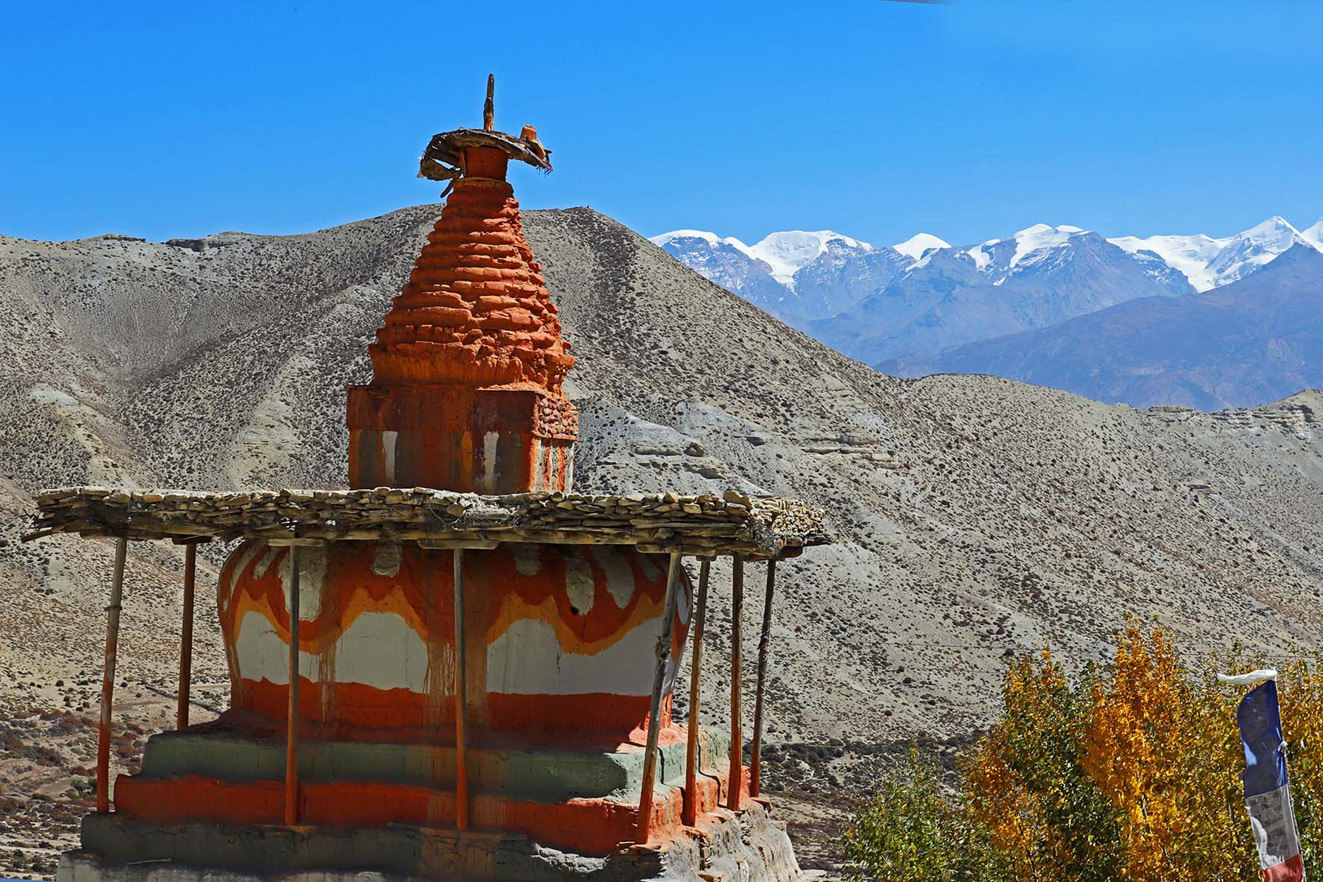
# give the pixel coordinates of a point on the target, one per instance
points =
(704, 525)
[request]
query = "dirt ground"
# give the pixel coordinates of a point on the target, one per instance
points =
(48, 767)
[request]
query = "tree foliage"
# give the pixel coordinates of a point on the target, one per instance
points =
(907, 828)
(1129, 771)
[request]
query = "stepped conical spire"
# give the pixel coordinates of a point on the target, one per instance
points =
(469, 365)
(476, 309)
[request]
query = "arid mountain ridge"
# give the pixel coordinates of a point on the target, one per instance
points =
(974, 515)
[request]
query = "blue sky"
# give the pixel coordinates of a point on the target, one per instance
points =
(968, 119)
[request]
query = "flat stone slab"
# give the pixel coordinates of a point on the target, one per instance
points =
(704, 525)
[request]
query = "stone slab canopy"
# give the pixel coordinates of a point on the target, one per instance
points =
(468, 368)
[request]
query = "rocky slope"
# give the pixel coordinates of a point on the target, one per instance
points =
(975, 515)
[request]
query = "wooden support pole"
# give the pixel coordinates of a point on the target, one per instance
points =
(292, 724)
(186, 636)
(461, 700)
(764, 638)
(689, 810)
(489, 106)
(108, 678)
(654, 708)
(736, 778)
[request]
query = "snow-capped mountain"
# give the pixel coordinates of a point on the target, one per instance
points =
(1211, 263)
(1037, 277)
(1028, 299)
(809, 276)
(797, 275)
(1037, 249)
(919, 244)
(1255, 340)
(789, 252)
(732, 265)
(1314, 235)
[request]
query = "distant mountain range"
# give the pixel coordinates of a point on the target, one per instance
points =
(797, 276)
(1211, 263)
(1258, 339)
(923, 305)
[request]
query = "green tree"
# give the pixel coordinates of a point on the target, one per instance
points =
(913, 830)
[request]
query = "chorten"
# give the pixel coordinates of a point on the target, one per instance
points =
(468, 368)
(456, 667)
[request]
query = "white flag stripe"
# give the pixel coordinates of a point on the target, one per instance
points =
(1250, 679)
(1273, 819)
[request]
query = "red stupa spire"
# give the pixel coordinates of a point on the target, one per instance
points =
(468, 368)
(476, 309)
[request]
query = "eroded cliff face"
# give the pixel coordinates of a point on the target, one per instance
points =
(973, 514)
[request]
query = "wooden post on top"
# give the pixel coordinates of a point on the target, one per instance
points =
(489, 107)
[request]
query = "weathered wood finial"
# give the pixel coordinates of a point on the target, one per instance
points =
(489, 108)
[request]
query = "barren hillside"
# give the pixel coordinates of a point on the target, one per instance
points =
(974, 515)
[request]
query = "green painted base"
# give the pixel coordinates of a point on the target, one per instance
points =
(529, 773)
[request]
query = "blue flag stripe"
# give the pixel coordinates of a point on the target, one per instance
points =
(1261, 735)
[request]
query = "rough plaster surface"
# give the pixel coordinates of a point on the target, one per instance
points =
(527, 659)
(534, 772)
(377, 649)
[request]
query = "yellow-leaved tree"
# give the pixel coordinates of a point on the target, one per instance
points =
(1124, 771)
(1163, 748)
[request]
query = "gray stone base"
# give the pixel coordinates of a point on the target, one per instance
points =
(747, 846)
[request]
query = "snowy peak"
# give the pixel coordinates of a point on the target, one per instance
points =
(1000, 258)
(1040, 237)
(1211, 263)
(1042, 230)
(915, 247)
(1188, 255)
(724, 260)
(1246, 252)
(1314, 235)
(681, 238)
(787, 252)
(1275, 232)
